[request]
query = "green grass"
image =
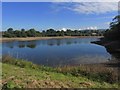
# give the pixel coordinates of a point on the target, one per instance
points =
(27, 78)
(24, 74)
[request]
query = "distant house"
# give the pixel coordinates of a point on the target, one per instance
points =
(94, 33)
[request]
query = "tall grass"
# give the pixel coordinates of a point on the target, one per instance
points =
(96, 72)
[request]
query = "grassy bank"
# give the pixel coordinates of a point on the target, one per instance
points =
(41, 38)
(24, 74)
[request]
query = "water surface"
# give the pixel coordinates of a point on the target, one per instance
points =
(57, 52)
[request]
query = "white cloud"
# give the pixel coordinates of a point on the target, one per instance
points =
(107, 23)
(89, 28)
(90, 7)
(64, 29)
(93, 28)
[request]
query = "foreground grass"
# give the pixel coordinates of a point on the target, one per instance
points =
(23, 74)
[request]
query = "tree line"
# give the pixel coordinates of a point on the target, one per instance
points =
(113, 33)
(50, 32)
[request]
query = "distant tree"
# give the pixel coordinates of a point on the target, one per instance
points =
(23, 33)
(10, 30)
(68, 32)
(43, 33)
(10, 33)
(7, 34)
(38, 34)
(18, 33)
(51, 32)
(33, 32)
(62, 33)
(23, 30)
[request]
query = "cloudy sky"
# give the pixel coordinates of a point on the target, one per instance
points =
(57, 15)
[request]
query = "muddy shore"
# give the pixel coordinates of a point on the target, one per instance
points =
(41, 38)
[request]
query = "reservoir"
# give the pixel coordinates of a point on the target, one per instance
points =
(57, 52)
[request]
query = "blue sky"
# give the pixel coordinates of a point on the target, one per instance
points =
(44, 15)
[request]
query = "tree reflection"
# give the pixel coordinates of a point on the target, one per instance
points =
(21, 45)
(60, 42)
(115, 58)
(29, 44)
(32, 45)
(10, 45)
(69, 42)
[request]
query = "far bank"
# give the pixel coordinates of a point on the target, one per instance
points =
(41, 38)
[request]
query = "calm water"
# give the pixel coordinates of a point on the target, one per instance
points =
(57, 52)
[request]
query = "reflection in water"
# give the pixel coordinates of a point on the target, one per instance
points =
(55, 52)
(21, 45)
(115, 57)
(10, 45)
(31, 45)
(51, 42)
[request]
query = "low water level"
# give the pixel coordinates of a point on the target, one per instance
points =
(57, 52)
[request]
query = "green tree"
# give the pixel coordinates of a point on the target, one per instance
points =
(17, 33)
(7, 34)
(114, 32)
(10, 30)
(10, 33)
(51, 32)
(33, 32)
(23, 33)
(43, 33)
(68, 32)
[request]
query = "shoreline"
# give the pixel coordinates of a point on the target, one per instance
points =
(111, 46)
(41, 38)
